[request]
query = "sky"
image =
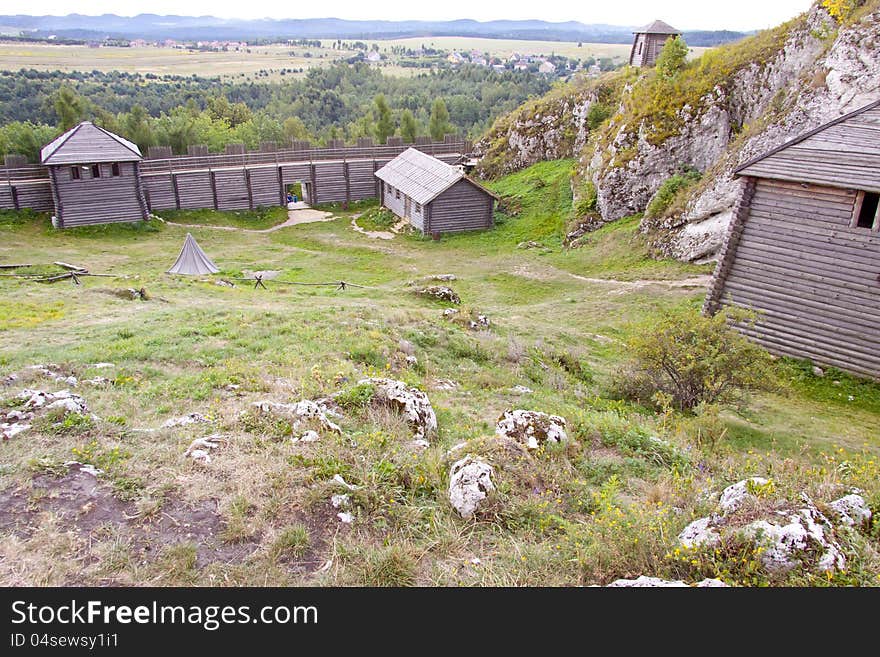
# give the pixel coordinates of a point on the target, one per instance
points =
(683, 14)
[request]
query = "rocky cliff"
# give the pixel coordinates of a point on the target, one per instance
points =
(732, 104)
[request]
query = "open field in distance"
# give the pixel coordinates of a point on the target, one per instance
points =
(176, 61)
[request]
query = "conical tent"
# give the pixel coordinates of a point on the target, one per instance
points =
(192, 260)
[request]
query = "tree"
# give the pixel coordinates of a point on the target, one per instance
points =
(136, 126)
(69, 106)
(673, 57)
(294, 128)
(384, 122)
(439, 124)
(408, 128)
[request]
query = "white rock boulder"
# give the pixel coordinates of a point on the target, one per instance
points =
(531, 428)
(733, 497)
(851, 510)
(792, 540)
(470, 483)
(700, 533)
(412, 402)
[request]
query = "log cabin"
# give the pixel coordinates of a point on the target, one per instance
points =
(95, 177)
(433, 196)
(803, 246)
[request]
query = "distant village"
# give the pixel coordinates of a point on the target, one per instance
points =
(426, 57)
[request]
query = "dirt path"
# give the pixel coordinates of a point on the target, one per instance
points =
(695, 282)
(294, 218)
(379, 234)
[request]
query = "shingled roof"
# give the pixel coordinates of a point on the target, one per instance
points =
(87, 143)
(844, 153)
(420, 176)
(657, 27)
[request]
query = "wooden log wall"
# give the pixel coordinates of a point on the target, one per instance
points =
(101, 200)
(814, 279)
(236, 181)
(463, 206)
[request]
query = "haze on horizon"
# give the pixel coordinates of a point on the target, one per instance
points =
(683, 14)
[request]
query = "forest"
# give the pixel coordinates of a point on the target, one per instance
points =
(343, 101)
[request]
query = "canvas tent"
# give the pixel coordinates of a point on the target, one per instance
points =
(192, 260)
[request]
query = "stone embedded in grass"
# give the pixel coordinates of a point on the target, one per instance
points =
(446, 278)
(794, 539)
(102, 366)
(700, 533)
(88, 468)
(440, 293)
(11, 429)
(338, 479)
(852, 511)
(63, 399)
(185, 420)
(412, 402)
(656, 582)
(521, 390)
(199, 449)
(340, 501)
(309, 436)
(470, 483)
(301, 412)
(733, 497)
(444, 384)
(345, 517)
(531, 428)
(98, 381)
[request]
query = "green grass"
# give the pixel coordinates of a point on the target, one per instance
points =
(258, 219)
(200, 347)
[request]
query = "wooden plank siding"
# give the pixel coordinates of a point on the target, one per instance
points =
(97, 200)
(231, 189)
(813, 278)
(463, 206)
(230, 182)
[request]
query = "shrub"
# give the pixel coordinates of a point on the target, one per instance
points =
(663, 199)
(684, 359)
(673, 57)
(597, 114)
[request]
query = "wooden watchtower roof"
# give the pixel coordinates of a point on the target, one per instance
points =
(87, 143)
(658, 27)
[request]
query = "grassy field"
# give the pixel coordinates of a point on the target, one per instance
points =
(271, 59)
(608, 504)
(164, 61)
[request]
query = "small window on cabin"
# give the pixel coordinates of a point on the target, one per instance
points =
(397, 193)
(867, 211)
(96, 171)
(641, 46)
(75, 173)
(114, 170)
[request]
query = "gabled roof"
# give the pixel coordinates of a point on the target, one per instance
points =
(422, 177)
(657, 27)
(87, 143)
(192, 260)
(844, 153)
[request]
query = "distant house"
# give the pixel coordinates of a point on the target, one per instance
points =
(434, 196)
(803, 247)
(95, 177)
(649, 41)
(547, 67)
(455, 58)
(374, 57)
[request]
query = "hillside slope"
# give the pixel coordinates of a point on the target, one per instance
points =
(730, 105)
